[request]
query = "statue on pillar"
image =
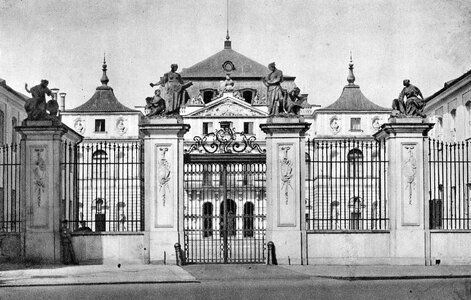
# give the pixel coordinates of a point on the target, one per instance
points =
(36, 107)
(293, 102)
(414, 105)
(155, 105)
(173, 90)
(275, 98)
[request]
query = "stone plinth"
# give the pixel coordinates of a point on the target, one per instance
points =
(405, 185)
(41, 155)
(285, 187)
(163, 148)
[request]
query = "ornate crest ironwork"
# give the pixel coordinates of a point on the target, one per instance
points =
(225, 140)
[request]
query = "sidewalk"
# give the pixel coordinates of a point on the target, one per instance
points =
(382, 272)
(95, 274)
(134, 274)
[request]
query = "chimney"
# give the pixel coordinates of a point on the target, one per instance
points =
(54, 92)
(62, 100)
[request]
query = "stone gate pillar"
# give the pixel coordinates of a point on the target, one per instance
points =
(405, 139)
(163, 171)
(41, 191)
(286, 174)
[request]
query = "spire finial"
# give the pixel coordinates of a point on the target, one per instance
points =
(227, 42)
(350, 77)
(104, 79)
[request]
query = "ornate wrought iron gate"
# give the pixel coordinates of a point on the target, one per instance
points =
(225, 199)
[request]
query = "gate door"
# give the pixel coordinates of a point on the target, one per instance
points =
(225, 199)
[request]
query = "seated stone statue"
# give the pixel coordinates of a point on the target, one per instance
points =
(36, 106)
(155, 105)
(415, 103)
(293, 102)
(398, 109)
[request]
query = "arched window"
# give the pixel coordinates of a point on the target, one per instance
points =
(2, 127)
(231, 209)
(248, 94)
(208, 95)
(355, 159)
(207, 219)
(14, 123)
(100, 155)
(248, 219)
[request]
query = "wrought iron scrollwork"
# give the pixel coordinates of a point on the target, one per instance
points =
(225, 140)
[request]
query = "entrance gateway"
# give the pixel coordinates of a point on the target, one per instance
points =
(225, 198)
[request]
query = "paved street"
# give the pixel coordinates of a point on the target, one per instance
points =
(256, 289)
(238, 282)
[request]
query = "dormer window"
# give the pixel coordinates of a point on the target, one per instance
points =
(248, 94)
(208, 95)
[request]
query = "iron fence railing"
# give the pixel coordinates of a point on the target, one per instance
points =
(346, 185)
(103, 185)
(10, 207)
(449, 184)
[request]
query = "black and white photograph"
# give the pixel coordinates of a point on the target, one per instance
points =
(235, 149)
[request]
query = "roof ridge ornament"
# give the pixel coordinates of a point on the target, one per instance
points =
(104, 78)
(227, 42)
(350, 77)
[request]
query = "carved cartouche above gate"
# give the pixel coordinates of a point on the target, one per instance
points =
(225, 140)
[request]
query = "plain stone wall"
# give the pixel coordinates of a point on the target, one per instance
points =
(451, 248)
(348, 248)
(10, 245)
(109, 247)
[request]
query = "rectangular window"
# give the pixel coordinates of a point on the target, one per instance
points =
(355, 124)
(99, 125)
(355, 220)
(207, 127)
(248, 127)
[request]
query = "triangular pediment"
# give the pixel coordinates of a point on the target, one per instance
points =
(228, 106)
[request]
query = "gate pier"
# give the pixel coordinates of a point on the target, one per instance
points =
(285, 193)
(43, 199)
(405, 138)
(163, 167)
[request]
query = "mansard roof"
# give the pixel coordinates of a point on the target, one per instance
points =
(103, 100)
(212, 67)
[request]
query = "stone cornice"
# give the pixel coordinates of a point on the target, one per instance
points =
(293, 125)
(36, 129)
(392, 129)
(164, 128)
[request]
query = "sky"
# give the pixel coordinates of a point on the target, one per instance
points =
(426, 41)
